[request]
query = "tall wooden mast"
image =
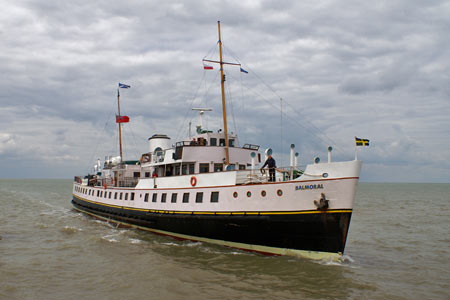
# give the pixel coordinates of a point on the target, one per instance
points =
(224, 109)
(120, 124)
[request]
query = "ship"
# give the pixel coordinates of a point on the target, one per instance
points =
(208, 188)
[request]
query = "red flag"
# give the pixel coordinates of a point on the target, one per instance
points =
(206, 67)
(122, 119)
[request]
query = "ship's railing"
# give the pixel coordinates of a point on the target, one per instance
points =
(262, 175)
(128, 182)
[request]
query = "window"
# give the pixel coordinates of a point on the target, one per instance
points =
(218, 167)
(154, 197)
(163, 197)
(177, 170)
(185, 197)
(120, 197)
(174, 198)
(184, 169)
(231, 143)
(147, 174)
(136, 174)
(204, 168)
(215, 197)
(199, 197)
(191, 168)
(241, 167)
(146, 197)
(126, 196)
(115, 195)
(213, 142)
(106, 194)
(132, 196)
(98, 193)
(222, 142)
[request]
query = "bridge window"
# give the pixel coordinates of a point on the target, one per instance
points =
(174, 198)
(163, 197)
(126, 196)
(154, 196)
(204, 168)
(146, 197)
(218, 167)
(213, 141)
(132, 196)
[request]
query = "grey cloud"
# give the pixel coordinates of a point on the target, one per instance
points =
(342, 69)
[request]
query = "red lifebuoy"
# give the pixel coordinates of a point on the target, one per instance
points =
(193, 181)
(105, 185)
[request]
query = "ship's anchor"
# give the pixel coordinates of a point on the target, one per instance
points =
(322, 204)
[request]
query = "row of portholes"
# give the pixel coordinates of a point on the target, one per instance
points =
(263, 193)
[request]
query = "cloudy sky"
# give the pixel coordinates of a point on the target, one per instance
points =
(320, 73)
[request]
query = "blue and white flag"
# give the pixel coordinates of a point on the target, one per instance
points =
(124, 86)
(244, 71)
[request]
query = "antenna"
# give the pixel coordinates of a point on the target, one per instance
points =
(202, 111)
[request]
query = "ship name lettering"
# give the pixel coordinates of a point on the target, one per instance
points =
(309, 187)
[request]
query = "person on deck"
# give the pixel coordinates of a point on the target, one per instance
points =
(270, 162)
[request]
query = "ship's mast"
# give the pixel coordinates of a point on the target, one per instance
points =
(120, 124)
(224, 109)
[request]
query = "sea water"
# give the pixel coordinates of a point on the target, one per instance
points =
(398, 248)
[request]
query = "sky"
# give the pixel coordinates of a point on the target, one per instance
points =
(319, 74)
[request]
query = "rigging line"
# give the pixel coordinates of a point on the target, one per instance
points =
(310, 123)
(108, 114)
(228, 86)
(207, 90)
(287, 116)
(135, 143)
(317, 129)
(190, 106)
(267, 85)
(254, 73)
(281, 129)
(242, 102)
(213, 50)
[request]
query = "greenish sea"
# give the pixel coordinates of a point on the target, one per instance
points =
(398, 248)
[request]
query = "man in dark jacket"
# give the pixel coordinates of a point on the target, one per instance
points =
(270, 162)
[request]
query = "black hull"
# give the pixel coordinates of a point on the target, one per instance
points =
(308, 231)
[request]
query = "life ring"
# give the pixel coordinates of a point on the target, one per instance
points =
(193, 181)
(105, 185)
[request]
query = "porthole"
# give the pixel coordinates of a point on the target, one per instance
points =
(249, 194)
(279, 192)
(235, 194)
(263, 193)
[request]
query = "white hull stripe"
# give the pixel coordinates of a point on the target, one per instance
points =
(220, 212)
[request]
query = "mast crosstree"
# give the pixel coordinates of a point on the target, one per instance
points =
(222, 84)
